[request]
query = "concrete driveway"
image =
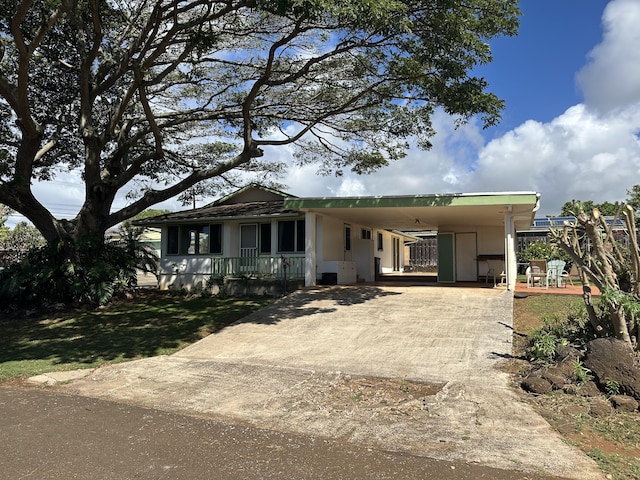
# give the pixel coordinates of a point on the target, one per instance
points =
(287, 366)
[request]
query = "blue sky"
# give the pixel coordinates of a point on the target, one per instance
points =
(571, 82)
(535, 71)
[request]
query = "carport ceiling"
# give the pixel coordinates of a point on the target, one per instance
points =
(428, 212)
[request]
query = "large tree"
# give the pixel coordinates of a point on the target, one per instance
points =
(153, 97)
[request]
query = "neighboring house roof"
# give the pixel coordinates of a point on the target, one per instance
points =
(224, 212)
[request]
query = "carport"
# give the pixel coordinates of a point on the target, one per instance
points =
(474, 229)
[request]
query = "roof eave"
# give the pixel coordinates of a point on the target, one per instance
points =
(219, 219)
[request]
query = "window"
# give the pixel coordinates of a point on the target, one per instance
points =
(265, 238)
(380, 246)
(347, 238)
(173, 240)
(300, 244)
(215, 238)
(194, 239)
(366, 234)
(291, 236)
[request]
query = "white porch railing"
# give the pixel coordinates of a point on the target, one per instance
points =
(277, 267)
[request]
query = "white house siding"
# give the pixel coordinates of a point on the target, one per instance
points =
(187, 272)
(332, 239)
(362, 254)
(331, 254)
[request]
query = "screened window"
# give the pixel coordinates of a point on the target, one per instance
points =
(300, 236)
(347, 238)
(366, 234)
(380, 245)
(194, 239)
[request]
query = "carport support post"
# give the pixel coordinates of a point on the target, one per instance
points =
(510, 261)
(310, 249)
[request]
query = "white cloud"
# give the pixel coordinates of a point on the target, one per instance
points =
(437, 171)
(589, 152)
(579, 155)
(612, 77)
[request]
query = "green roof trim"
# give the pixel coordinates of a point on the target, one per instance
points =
(448, 200)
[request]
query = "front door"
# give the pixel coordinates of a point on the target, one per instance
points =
(466, 257)
(248, 247)
(446, 258)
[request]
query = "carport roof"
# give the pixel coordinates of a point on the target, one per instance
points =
(429, 212)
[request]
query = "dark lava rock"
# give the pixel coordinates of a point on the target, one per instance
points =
(588, 389)
(567, 352)
(611, 360)
(600, 408)
(535, 384)
(624, 403)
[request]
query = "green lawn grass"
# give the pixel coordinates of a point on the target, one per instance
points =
(153, 324)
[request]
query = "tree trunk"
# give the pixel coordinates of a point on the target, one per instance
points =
(620, 324)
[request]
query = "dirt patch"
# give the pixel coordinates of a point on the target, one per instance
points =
(349, 394)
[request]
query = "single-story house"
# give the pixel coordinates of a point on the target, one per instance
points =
(264, 232)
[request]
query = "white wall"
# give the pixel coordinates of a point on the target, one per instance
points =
(332, 239)
(184, 272)
(331, 247)
(490, 240)
(362, 254)
(386, 254)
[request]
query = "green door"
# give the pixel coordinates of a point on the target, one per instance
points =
(446, 257)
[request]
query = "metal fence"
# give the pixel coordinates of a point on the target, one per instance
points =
(423, 255)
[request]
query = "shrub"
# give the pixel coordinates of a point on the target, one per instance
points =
(90, 272)
(572, 328)
(542, 250)
(580, 372)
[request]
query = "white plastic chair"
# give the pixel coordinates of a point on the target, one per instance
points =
(556, 268)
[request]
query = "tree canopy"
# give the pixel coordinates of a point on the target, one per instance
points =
(152, 97)
(4, 214)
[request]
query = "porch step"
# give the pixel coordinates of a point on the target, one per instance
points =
(409, 277)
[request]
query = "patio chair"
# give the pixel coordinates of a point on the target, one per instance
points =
(558, 272)
(538, 271)
(493, 266)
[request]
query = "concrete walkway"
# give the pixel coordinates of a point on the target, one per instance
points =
(284, 367)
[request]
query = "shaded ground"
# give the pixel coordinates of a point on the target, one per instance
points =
(50, 436)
